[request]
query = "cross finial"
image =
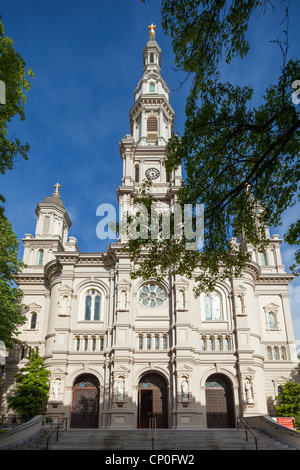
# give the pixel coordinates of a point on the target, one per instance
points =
(57, 185)
(152, 31)
(247, 188)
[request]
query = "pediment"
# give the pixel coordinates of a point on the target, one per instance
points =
(271, 306)
(65, 288)
(181, 282)
(58, 371)
(34, 306)
(121, 370)
(124, 282)
(184, 369)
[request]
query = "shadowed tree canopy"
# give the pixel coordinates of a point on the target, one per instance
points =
(14, 76)
(228, 144)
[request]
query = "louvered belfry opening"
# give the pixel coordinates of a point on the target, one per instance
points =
(152, 127)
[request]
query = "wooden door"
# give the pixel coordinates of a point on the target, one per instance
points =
(153, 401)
(85, 405)
(219, 402)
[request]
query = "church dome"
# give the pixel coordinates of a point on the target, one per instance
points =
(54, 198)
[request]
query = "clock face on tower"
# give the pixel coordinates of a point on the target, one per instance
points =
(152, 173)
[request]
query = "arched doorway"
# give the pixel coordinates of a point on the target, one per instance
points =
(153, 400)
(219, 402)
(85, 402)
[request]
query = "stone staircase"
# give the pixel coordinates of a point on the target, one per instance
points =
(166, 439)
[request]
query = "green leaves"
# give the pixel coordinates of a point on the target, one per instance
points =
(15, 76)
(11, 315)
(289, 400)
(30, 396)
(241, 161)
(13, 73)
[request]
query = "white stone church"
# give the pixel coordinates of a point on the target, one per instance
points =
(122, 351)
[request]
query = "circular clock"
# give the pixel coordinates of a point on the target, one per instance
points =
(152, 173)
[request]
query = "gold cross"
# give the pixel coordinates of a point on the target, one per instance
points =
(152, 32)
(57, 185)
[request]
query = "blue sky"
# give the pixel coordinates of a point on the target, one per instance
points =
(87, 60)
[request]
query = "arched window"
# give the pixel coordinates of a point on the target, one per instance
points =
(272, 320)
(140, 341)
(283, 353)
(165, 342)
(41, 257)
(263, 259)
(137, 174)
(156, 342)
(92, 305)
(276, 354)
(213, 307)
(148, 342)
(269, 353)
(151, 87)
(33, 321)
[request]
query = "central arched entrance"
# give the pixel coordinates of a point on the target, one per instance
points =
(85, 402)
(153, 400)
(219, 402)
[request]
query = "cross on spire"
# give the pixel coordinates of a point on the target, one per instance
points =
(152, 31)
(57, 185)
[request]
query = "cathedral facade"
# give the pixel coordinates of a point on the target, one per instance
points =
(124, 352)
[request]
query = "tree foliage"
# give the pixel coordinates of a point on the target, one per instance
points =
(11, 310)
(15, 77)
(228, 144)
(289, 401)
(31, 394)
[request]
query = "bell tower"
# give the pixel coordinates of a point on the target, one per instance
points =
(144, 150)
(51, 233)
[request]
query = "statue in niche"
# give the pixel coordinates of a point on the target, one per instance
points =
(123, 298)
(120, 389)
(181, 303)
(184, 389)
(248, 389)
(56, 388)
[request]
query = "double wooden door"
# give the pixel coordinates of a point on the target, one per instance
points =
(85, 405)
(219, 402)
(153, 401)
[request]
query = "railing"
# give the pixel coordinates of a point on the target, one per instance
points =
(56, 430)
(242, 423)
(152, 430)
(9, 422)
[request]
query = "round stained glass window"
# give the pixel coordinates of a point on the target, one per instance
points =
(152, 295)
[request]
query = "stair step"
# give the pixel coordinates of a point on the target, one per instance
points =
(98, 439)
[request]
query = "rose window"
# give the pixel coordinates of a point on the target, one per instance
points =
(152, 295)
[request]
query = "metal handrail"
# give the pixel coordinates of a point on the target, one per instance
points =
(152, 430)
(56, 429)
(247, 427)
